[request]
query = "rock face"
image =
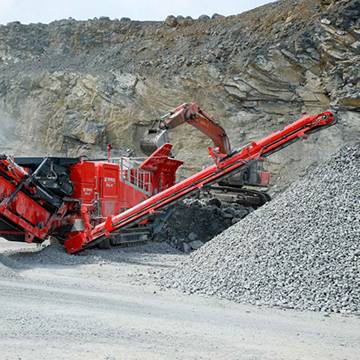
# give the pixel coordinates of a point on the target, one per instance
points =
(300, 250)
(73, 86)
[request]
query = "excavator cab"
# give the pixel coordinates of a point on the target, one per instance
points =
(253, 175)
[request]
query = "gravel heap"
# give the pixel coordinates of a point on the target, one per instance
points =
(301, 250)
(204, 219)
(6, 272)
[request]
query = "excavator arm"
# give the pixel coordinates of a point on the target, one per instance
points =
(192, 114)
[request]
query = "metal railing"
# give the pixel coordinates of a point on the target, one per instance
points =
(131, 174)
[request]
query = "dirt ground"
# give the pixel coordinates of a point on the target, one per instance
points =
(106, 305)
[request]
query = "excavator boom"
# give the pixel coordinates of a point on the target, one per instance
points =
(192, 114)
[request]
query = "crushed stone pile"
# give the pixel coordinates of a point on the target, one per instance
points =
(6, 272)
(204, 219)
(301, 250)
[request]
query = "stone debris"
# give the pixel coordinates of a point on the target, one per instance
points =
(204, 17)
(6, 272)
(300, 251)
(203, 220)
(217, 16)
(171, 21)
(325, 21)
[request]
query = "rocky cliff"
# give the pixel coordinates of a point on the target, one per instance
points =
(73, 86)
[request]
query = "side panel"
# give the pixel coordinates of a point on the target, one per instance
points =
(84, 179)
(115, 195)
(109, 185)
(129, 196)
(24, 206)
(100, 182)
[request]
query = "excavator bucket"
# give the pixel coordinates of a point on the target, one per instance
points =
(152, 140)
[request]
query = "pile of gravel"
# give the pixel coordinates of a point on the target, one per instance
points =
(6, 272)
(301, 250)
(190, 223)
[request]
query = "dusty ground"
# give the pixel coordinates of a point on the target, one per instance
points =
(105, 305)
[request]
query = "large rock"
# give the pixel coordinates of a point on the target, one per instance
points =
(171, 21)
(187, 225)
